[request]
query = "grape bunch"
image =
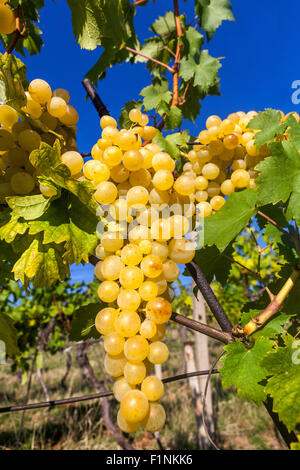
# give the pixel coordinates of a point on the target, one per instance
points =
(45, 117)
(139, 253)
(223, 161)
(7, 19)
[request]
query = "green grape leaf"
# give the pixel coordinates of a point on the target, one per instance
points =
(12, 227)
(243, 370)
(83, 323)
(195, 41)
(279, 178)
(32, 41)
(214, 264)
(271, 329)
(212, 13)
(48, 162)
(124, 121)
(88, 22)
(223, 226)
(172, 142)
(173, 118)
(164, 25)
(13, 76)
(29, 207)
(41, 264)
(295, 446)
(8, 334)
(269, 124)
(204, 73)
(68, 223)
(282, 365)
(155, 94)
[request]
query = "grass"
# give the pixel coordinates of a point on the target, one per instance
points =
(239, 425)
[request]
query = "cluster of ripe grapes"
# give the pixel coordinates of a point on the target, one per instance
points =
(46, 116)
(7, 19)
(224, 161)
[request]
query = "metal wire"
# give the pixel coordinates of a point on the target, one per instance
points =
(66, 401)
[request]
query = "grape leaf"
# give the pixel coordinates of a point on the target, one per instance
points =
(164, 25)
(83, 323)
(279, 178)
(195, 41)
(243, 370)
(283, 367)
(204, 73)
(173, 118)
(67, 222)
(13, 76)
(12, 227)
(271, 329)
(29, 207)
(155, 94)
(47, 160)
(44, 265)
(223, 226)
(212, 13)
(269, 124)
(213, 264)
(8, 334)
(172, 142)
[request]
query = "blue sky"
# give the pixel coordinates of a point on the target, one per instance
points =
(260, 63)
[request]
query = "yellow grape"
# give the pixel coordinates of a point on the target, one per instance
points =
(217, 202)
(125, 425)
(210, 171)
(98, 271)
(227, 126)
(149, 132)
(158, 352)
(29, 140)
(137, 197)
(114, 344)
(216, 147)
(158, 310)
(107, 121)
(70, 118)
(134, 406)
(161, 283)
(153, 388)
(170, 271)
(114, 365)
(181, 250)
(49, 121)
(7, 20)
(136, 349)
(204, 209)
(204, 137)
(139, 233)
(131, 277)
(105, 321)
(112, 156)
(133, 160)
(131, 255)
(141, 177)
(73, 160)
(129, 299)
(158, 197)
(151, 266)
(22, 183)
(163, 161)
(108, 291)
(127, 323)
(112, 241)
(201, 183)
(240, 179)
(160, 249)
(231, 141)
(213, 121)
(106, 193)
(155, 419)
(184, 185)
(147, 216)
(57, 107)
(180, 225)
(111, 267)
(62, 93)
(134, 372)
(110, 133)
(96, 171)
(201, 196)
(213, 189)
(15, 157)
(40, 91)
(119, 173)
(163, 180)
(148, 329)
(8, 115)
(227, 188)
(148, 290)
(145, 246)
(135, 115)
(160, 333)
(251, 148)
(121, 387)
(161, 230)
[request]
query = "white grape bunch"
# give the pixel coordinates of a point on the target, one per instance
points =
(50, 117)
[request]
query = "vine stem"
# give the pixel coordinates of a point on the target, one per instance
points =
(209, 297)
(139, 2)
(18, 33)
(158, 62)
(274, 306)
(175, 100)
(96, 100)
(276, 225)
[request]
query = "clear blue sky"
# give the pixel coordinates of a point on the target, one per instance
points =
(260, 63)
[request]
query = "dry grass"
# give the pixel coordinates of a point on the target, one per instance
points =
(80, 426)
